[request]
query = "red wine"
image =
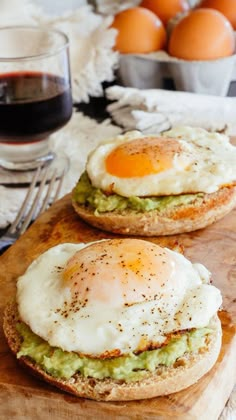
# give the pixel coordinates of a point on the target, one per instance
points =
(32, 106)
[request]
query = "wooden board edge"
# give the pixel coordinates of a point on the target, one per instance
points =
(61, 405)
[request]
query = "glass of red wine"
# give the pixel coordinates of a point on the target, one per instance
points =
(35, 94)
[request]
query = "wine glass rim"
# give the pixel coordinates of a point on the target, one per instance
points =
(39, 55)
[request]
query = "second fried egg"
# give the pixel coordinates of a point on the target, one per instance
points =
(114, 296)
(182, 160)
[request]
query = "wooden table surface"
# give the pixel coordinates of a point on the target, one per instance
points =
(22, 396)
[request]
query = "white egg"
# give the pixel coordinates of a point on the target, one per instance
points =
(182, 160)
(113, 295)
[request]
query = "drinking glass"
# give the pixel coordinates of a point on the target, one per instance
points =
(35, 93)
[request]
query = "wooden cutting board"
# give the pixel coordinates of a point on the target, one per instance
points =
(23, 397)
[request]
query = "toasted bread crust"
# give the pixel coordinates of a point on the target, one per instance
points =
(164, 381)
(184, 218)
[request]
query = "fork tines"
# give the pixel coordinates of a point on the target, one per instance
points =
(49, 186)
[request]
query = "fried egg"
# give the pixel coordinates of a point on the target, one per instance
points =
(182, 160)
(114, 296)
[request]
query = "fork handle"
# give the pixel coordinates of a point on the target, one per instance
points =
(5, 242)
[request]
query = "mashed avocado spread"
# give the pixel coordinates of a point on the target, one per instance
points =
(62, 364)
(85, 193)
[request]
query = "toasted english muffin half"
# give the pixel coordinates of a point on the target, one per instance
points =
(186, 371)
(201, 212)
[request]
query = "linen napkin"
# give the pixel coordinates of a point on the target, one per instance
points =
(156, 110)
(93, 60)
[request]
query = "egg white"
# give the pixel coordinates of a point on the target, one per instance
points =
(208, 161)
(97, 328)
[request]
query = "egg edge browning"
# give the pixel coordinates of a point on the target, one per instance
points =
(107, 326)
(163, 382)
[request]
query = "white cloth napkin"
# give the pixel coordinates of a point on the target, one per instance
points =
(93, 60)
(75, 140)
(155, 110)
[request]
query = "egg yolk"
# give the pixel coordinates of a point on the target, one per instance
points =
(141, 157)
(118, 271)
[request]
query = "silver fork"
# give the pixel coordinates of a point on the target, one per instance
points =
(25, 216)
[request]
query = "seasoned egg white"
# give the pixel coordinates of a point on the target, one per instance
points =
(113, 296)
(182, 160)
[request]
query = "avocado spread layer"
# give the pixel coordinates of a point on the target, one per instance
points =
(132, 367)
(86, 194)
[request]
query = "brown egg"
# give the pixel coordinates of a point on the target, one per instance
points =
(203, 34)
(227, 7)
(139, 31)
(166, 9)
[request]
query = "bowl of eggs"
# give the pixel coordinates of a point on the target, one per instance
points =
(169, 44)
